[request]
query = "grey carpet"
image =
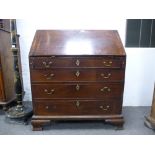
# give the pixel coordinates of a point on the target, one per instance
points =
(134, 125)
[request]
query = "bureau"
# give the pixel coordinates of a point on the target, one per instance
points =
(77, 75)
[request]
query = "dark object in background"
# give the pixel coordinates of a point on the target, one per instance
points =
(150, 120)
(133, 32)
(7, 93)
(19, 111)
(140, 33)
(5, 24)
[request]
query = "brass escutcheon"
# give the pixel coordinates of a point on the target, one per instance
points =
(77, 62)
(77, 73)
(77, 87)
(77, 103)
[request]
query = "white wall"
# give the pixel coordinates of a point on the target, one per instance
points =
(140, 72)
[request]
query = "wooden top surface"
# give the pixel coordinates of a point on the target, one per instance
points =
(76, 42)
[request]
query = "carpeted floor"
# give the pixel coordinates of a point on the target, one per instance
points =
(134, 125)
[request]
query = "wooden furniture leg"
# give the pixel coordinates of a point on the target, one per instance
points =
(150, 120)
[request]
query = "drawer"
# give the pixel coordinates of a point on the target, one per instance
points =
(72, 62)
(54, 75)
(77, 90)
(77, 107)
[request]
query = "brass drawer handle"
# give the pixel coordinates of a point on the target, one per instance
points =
(106, 76)
(107, 63)
(49, 92)
(77, 104)
(47, 65)
(49, 76)
(77, 74)
(106, 108)
(77, 62)
(105, 89)
(77, 87)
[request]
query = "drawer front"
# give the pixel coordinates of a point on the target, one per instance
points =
(70, 62)
(54, 75)
(77, 90)
(77, 107)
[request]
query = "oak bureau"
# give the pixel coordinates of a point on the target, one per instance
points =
(77, 75)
